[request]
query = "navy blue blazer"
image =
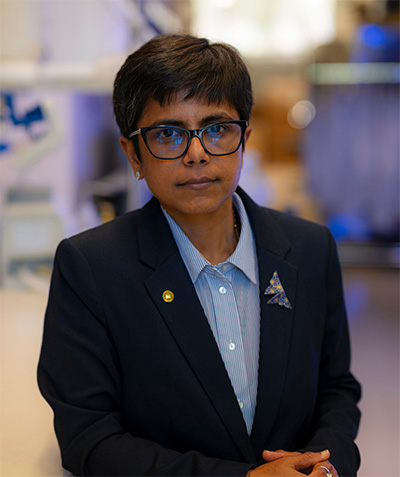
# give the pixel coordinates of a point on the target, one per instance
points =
(137, 384)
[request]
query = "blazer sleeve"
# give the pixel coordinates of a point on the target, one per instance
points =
(336, 416)
(78, 374)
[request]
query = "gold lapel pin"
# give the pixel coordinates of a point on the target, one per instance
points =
(168, 296)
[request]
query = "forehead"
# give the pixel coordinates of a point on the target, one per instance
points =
(191, 112)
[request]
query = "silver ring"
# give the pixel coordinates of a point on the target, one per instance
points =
(328, 472)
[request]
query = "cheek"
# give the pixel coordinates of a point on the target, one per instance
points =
(159, 177)
(236, 168)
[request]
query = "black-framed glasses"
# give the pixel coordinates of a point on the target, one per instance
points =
(172, 142)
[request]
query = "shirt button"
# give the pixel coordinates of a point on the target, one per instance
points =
(231, 346)
(224, 267)
(240, 404)
(222, 290)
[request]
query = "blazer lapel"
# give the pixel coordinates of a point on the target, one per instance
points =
(276, 320)
(275, 334)
(187, 323)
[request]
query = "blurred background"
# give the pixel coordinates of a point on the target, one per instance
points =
(325, 146)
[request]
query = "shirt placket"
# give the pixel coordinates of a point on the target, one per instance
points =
(229, 336)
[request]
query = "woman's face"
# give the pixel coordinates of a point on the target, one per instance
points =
(197, 183)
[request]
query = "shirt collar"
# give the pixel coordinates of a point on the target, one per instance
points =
(244, 256)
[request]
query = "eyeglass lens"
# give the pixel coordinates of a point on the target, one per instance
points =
(171, 142)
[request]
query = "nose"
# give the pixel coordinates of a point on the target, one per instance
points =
(196, 153)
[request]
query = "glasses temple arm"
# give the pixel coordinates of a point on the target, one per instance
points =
(135, 133)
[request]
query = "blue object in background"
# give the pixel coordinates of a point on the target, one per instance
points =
(148, 18)
(25, 120)
(373, 36)
(35, 114)
(347, 226)
(376, 44)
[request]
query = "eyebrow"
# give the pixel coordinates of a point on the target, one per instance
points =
(212, 118)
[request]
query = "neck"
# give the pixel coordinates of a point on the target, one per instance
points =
(213, 234)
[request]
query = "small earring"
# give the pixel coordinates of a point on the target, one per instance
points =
(137, 175)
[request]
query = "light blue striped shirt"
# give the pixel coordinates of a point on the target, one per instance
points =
(229, 295)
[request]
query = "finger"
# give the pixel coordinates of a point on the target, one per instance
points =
(270, 456)
(309, 459)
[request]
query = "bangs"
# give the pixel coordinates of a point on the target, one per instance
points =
(210, 80)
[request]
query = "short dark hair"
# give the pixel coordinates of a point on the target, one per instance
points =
(172, 63)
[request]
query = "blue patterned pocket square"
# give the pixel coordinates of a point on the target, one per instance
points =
(276, 288)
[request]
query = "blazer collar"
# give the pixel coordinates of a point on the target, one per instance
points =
(267, 231)
(156, 242)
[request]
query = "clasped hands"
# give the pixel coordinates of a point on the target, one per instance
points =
(281, 463)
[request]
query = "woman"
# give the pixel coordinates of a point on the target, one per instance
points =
(188, 337)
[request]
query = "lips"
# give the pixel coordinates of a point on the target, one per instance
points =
(197, 182)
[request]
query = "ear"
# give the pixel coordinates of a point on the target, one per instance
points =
(245, 139)
(247, 134)
(130, 153)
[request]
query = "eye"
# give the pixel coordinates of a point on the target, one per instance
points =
(220, 130)
(215, 129)
(167, 134)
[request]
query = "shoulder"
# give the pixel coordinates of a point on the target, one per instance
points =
(121, 229)
(116, 228)
(280, 228)
(295, 227)
(116, 240)
(306, 245)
